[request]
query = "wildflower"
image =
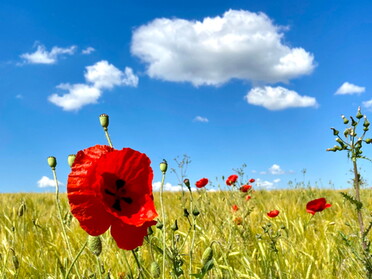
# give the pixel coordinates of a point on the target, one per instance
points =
(247, 198)
(252, 180)
(273, 213)
(231, 179)
(235, 208)
(201, 183)
(245, 188)
(238, 220)
(317, 205)
(112, 188)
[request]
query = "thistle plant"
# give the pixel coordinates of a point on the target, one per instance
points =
(352, 143)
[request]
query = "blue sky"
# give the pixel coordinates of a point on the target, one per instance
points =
(225, 82)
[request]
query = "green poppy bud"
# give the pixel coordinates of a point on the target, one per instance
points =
(174, 227)
(353, 122)
(159, 225)
(195, 212)
(335, 132)
(149, 231)
(163, 166)
(104, 120)
(368, 141)
(71, 159)
(185, 212)
(345, 119)
(187, 182)
(52, 162)
(366, 122)
(95, 244)
(155, 270)
(359, 114)
(207, 256)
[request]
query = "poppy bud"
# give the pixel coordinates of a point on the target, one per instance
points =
(149, 231)
(353, 122)
(155, 270)
(187, 182)
(159, 225)
(207, 256)
(174, 227)
(366, 122)
(185, 212)
(71, 159)
(345, 119)
(335, 132)
(104, 120)
(368, 141)
(52, 162)
(95, 244)
(195, 212)
(163, 166)
(21, 209)
(359, 114)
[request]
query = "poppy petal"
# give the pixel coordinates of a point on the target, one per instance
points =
(129, 237)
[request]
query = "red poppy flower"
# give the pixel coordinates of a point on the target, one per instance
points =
(201, 183)
(112, 188)
(317, 205)
(231, 179)
(273, 213)
(238, 220)
(245, 188)
(251, 180)
(247, 198)
(235, 207)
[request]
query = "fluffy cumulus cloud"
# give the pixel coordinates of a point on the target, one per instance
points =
(265, 184)
(237, 45)
(349, 88)
(201, 119)
(278, 98)
(43, 56)
(45, 182)
(275, 169)
(100, 76)
(167, 187)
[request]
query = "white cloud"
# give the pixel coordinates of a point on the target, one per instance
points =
(275, 169)
(42, 56)
(47, 182)
(99, 76)
(349, 88)
(278, 98)
(201, 119)
(88, 50)
(266, 184)
(239, 44)
(167, 187)
(368, 104)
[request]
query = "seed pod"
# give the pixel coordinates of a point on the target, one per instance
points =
(185, 212)
(52, 162)
(174, 227)
(155, 270)
(71, 159)
(95, 244)
(163, 166)
(149, 231)
(159, 225)
(195, 212)
(104, 120)
(207, 256)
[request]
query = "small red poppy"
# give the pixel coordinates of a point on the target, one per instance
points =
(247, 198)
(235, 207)
(231, 179)
(238, 220)
(201, 183)
(245, 188)
(113, 188)
(273, 213)
(317, 205)
(251, 180)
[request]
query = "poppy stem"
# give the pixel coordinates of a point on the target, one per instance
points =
(193, 232)
(61, 219)
(108, 137)
(164, 220)
(76, 258)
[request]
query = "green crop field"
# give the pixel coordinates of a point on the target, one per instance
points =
(246, 243)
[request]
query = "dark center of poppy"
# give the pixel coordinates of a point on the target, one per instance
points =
(119, 194)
